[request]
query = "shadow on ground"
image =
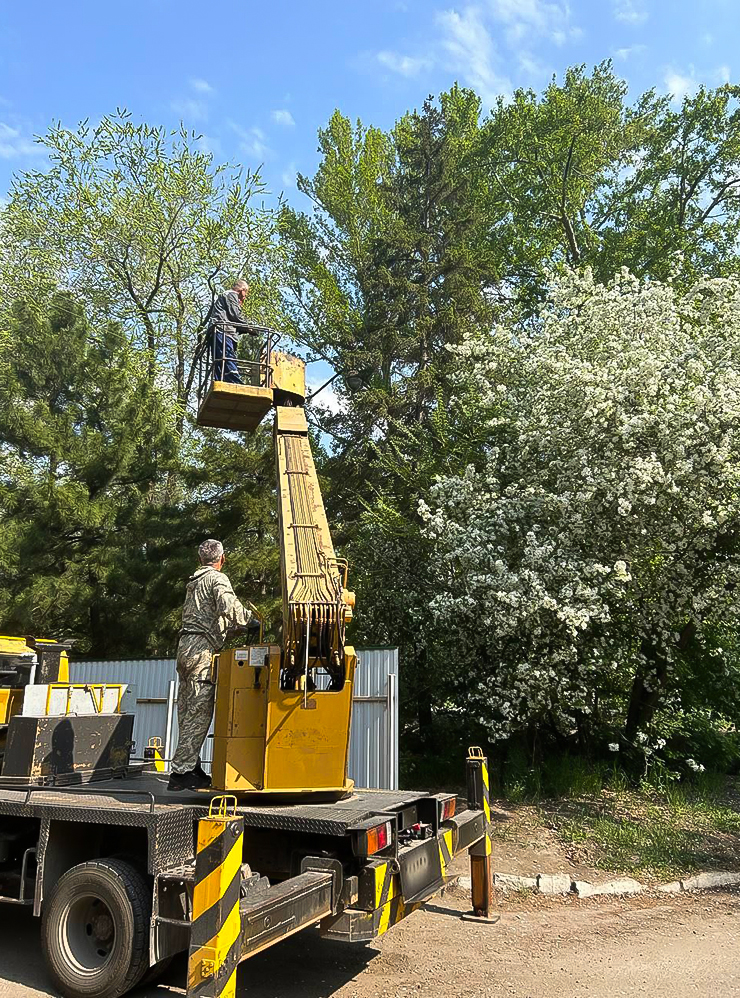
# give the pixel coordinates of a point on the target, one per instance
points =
(304, 966)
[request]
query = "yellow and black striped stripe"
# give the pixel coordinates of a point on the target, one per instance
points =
(446, 849)
(392, 913)
(379, 883)
(479, 797)
(215, 936)
(486, 806)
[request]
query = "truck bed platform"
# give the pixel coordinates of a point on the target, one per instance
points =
(147, 794)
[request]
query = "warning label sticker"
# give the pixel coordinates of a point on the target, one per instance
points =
(257, 654)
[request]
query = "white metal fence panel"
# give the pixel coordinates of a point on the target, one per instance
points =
(373, 748)
(373, 755)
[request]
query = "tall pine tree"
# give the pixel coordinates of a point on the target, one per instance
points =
(87, 440)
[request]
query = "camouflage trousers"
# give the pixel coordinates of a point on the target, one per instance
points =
(195, 699)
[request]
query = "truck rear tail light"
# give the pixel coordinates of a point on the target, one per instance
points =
(379, 838)
(448, 808)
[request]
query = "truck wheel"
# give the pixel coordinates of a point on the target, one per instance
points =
(95, 929)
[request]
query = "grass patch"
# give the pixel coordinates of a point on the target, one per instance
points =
(658, 831)
(653, 832)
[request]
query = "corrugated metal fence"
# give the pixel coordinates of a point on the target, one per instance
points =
(373, 759)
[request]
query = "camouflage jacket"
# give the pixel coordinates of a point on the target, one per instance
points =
(211, 607)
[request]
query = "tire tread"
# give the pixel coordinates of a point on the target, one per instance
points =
(140, 898)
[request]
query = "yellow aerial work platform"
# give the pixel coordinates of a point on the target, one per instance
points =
(282, 718)
(276, 378)
(234, 407)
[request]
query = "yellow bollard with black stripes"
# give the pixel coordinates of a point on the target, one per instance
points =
(479, 799)
(215, 935)
(154, 752)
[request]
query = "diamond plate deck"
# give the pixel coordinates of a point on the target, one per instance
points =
(333, 818)
(110, 803)
(169, 827)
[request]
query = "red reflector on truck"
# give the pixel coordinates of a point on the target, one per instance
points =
(379, 837)
(448, 809)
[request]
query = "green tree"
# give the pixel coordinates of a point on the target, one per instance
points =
(229, 492)
(389, 271)
(588, 561)
(677, 209)
(85, 438)
(580, 177)
(139, 224)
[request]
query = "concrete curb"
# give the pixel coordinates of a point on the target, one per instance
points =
(563, 883)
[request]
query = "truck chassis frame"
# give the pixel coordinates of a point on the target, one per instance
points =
(230, 882)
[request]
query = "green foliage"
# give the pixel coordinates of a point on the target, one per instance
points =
(444, 225)
(85, 439)
(140, 225)
(387, 273)
(655, 832)
(552, 161)
(676, 210)
(142, 228)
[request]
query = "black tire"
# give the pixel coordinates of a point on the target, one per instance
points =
(95, 929)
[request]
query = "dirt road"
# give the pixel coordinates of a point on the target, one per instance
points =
(673, 947)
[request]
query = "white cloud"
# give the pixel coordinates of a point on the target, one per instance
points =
(628, 52)
(288, 176)
(283, 117)
(629, 12)
(209, 143)
(253, 141)
(722, 73)
(188, 109)
(406, 65)
(471, 52)
(534, 17)
(465, 44)
(201, 86)
(14, 143)
(327, 397)
(536, 72)
(678, 85)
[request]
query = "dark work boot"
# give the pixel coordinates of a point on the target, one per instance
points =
(188, 781)
(202, 774)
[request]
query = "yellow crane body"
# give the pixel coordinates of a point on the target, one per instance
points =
(283, 712)
(276, 741)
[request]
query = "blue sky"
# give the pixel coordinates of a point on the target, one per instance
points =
(257, 79)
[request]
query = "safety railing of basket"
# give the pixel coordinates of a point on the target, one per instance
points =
(218, 358)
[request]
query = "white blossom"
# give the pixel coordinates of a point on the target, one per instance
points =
(610, 482)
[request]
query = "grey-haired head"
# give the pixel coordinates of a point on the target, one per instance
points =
(242, 289)
(210, 552)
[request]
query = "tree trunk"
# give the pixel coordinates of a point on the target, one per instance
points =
(647, 687)
(653, 673)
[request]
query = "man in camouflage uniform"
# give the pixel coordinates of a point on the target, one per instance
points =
(211, 610)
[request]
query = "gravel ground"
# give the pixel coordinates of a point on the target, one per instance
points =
(675, 947)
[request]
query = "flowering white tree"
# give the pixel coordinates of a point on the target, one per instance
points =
(596, 541)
